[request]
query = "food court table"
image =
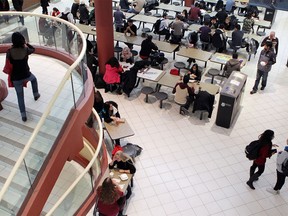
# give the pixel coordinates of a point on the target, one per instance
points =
(144, 19)
(222, 58)
(167, 7)
(170, 81)
(197, 54)
(118, 131)
(123, 184)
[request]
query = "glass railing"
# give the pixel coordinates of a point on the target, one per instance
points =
(83, 186)
(57, 36)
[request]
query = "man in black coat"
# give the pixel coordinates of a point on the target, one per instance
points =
(18, 4)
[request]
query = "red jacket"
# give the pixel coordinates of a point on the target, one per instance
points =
(264, 153)
(112, 74)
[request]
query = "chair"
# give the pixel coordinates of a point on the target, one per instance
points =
(176, 3)
(118, 50)
(179, 65)
(161, 96)
(157, 15)
(147, 90)
(134, 53)
(205, 45)
(213, 72)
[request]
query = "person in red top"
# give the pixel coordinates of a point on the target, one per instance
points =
(111, 200)
(194, 13)
(265, 140)
(112, 74)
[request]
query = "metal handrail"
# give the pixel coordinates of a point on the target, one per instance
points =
(100, 142)
(51, 103)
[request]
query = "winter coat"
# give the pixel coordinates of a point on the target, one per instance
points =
(230, 66)
(112, 74)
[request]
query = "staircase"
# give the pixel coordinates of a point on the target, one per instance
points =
(14, 134)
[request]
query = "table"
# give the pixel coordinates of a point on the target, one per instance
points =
(170, 81)
(222, 58)
(145, 19)
(197, 54)
(118, 131)
(166, 47)
(151, 74)
(194, 27)
(167, 7)
(123, 184)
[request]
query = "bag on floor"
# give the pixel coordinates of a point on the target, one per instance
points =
(132, 150)
(284, 167)
(252, 150)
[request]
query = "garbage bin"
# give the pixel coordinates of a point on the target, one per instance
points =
(230, 99)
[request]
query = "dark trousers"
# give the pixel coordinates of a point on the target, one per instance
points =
(280, 180)
(165, 32)
(261, 169)
(264, 76)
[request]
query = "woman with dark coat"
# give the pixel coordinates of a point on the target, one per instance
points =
(265, 141)
(18, 57)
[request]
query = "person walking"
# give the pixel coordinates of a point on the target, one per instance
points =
(44, 4)
(265, 151)
(18, 57)
(266, 59)
(282, 156)
(18, 6)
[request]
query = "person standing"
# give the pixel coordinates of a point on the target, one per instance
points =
(119, 18)
(265, 151)
(44, 4)
(266, 59)
(4, 6)
(282, 156)
(273, 39)
(18, 4)
(18, 56)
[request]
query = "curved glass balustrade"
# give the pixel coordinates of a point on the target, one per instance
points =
(57, 36)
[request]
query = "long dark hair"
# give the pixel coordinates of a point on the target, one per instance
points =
(266, 137)
(107, 192)
(196, 65)
(18, 40)
(113, 62)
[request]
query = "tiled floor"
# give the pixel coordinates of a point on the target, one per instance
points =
(192, 167)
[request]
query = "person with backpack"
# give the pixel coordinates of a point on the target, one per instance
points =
(147, 47)
(219, 39)
(282, 171)
(266, 59)
(264, 151)
(164, 27)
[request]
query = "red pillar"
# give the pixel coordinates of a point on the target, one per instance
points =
(104, 26)
(188, 3)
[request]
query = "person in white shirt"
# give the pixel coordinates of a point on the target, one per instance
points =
(138, 6)
(164, 27)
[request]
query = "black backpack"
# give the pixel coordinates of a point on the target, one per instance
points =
(64, 16)
(252, 150)
(156, 26)
(285, 167)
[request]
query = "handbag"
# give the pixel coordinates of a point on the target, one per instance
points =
(3, 92)
(8, 67)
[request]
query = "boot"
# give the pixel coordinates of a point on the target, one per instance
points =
(251, 180)
(252, 173)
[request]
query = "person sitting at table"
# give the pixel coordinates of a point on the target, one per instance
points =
(119, 18)
(219, 39)
(92, 62)
(248, 24)
(126, 55)
(232, 65)
(111, 198)
(184, 94)
(184, 16)
(195, 73)
(130, 29)
(125, 164)
(147, 46)
(219, 5)
(112, 75)
(164, 27)
(237, 36)
(124, 5)
(205, 35)
(213, 23)
(83, 13)
(177, 30)
(194, 13)
(221, 16)
(138, 6)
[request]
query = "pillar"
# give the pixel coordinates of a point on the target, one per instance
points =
(104, 32)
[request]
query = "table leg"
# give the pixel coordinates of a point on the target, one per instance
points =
(205, 64)
(137, 83)
(212, 80)
(139, 25)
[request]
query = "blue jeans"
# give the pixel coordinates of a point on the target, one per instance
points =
(264, 76)
(18, 85)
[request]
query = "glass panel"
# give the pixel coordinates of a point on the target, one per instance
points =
(75, 198)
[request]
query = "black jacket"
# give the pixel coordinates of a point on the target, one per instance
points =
(146, 47)
(204, 101)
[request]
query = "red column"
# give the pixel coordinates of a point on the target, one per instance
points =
(188, 3)
(104, 26)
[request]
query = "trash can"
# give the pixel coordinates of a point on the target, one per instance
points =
(270, 15)
(230, 99)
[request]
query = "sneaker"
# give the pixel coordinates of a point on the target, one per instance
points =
(262, 88)
(37, 97)
(272, 191)
(253, 92)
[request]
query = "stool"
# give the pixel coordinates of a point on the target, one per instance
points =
(147, 90)
(134, 53)
(213, 72)
(164, 61)
(161, 96)
(176, 3)
(157, 15)
(148, 13)
(179, 66)
(145, 31)
(118, 50)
